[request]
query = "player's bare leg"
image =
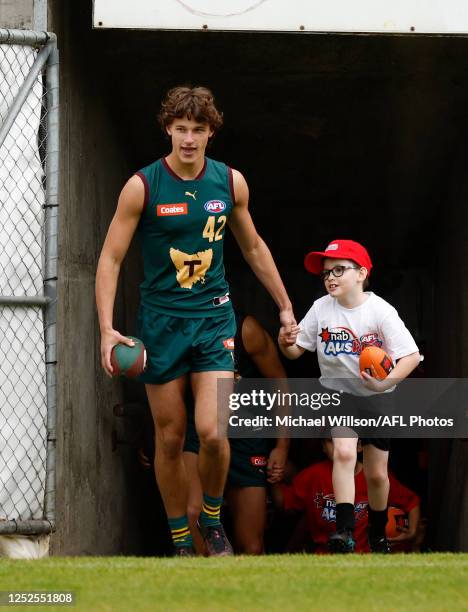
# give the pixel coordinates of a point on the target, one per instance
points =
(169, 416)
(248, 510)
(375, 466)
(195, 500)
(213, 459)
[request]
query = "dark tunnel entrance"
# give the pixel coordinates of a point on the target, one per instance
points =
(345, 136)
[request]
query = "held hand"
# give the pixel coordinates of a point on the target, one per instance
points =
(287, 336)
(276, 463)
(375, 384)
(108, 340)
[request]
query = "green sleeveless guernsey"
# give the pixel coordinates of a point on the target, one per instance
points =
(182, 234)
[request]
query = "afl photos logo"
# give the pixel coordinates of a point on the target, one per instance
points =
(214, 206)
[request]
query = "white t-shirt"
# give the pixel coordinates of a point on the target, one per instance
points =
(338, 334)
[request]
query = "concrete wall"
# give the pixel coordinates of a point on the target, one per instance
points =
(91, 493)
(16, 14)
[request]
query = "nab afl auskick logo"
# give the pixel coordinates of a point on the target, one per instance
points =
(214, 206)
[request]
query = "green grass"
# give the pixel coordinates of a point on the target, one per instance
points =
(299, 582)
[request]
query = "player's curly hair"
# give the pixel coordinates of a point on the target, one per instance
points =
(195, 103)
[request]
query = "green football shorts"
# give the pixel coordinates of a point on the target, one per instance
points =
(249, 459)
(249, 456)
(177, 345)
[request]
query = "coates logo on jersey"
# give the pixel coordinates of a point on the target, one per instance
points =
(340, 340)
(172, 210)
(258, 461)
(214, 206)
(229, 344)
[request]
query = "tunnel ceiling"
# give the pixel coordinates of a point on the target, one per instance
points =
(337, 135)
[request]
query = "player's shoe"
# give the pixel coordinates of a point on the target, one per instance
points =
(379, 545)
(216, 542)
(341, 542)
(184, 551)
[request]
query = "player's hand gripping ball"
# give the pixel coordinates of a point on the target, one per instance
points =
(396, 518)
(129, 361)
(375, 362)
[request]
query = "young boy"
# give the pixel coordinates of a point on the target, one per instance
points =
(180, 205)
(348, 311)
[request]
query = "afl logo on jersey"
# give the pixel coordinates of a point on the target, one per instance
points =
(215, 206)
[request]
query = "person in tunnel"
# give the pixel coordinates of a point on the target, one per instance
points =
(180, 205)
(338, 326)
(311, 492)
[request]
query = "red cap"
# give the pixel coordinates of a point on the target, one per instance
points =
(338, 249)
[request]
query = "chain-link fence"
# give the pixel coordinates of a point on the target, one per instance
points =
(28, 276)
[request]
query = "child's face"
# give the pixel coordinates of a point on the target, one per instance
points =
(352, 276)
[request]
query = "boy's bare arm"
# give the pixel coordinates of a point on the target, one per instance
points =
(404, 367)
(402, 370)
(287, 342)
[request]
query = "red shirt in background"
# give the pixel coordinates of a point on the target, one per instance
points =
(312, 492)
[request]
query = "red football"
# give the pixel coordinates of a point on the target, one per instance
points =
(396, 518)
(375, 362)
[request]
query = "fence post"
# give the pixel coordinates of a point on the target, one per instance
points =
(37, 202)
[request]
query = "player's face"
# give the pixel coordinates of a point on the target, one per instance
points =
(350, 279)
(189, 139)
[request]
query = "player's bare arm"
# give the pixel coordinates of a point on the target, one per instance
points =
(256, 252)
(263, 352)
(403, 368)
(119, 236)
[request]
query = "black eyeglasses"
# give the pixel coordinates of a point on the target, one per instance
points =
(337, 271)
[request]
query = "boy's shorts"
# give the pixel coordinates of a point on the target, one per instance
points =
(380, 443)
(375, 405)
(177, 345)
(249, 457)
